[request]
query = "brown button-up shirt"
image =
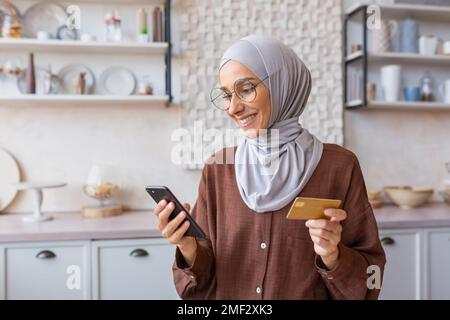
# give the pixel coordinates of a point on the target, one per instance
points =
(250, 255)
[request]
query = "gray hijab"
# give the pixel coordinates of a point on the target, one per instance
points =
(272, 170)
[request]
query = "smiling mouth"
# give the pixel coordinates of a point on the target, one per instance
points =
(248, 120)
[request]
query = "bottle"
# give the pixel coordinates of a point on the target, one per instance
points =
(30, 76)
(142, 28)
(157, 25)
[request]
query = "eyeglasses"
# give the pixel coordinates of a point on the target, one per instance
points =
(244, 89)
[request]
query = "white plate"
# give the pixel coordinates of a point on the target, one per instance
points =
(10, 174)
(117, 81)
(43, 16)
(69, 75)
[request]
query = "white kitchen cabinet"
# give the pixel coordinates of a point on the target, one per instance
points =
(402, 276)
(47, 270)
(438, 257)
(133, 269)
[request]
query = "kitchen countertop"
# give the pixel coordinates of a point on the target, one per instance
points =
(142, 224)
(432, 215)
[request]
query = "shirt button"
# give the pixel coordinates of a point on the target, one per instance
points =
(263, 245)
(258, 290)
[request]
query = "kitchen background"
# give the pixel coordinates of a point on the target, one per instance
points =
(63, 138)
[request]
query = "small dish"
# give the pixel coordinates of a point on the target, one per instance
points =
(408, 197)
(117, 81)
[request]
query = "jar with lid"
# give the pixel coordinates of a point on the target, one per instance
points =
(11, 27)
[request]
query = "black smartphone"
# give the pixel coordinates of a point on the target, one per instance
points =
(159, 193)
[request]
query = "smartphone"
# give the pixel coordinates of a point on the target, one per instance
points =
(159, 193)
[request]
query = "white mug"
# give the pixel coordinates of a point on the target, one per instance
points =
(445, 91)
(391, 76)
(43, 35)
(446, 48)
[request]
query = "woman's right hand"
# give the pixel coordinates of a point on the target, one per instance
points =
(173, 232)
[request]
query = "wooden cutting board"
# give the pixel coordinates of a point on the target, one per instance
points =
(10, 175)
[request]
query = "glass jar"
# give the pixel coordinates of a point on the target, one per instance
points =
(11, 27)
(426, 88)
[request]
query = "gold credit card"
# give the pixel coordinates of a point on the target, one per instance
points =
(311, 208)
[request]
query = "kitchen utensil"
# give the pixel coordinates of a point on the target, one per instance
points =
(9, 174)
(30, 76)
(69, 76)
(412, 93)
(426, 91)
(43, 16)
(40, 75)
(382, 38)
(391, 82)
(408, 197)
(38, 197)
(445, 90)
(51, 82)
(409, 33)
(117, 81)
(428, 45)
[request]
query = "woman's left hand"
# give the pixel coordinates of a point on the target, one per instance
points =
(326, 235)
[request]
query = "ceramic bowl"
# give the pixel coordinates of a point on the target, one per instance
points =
(408, 197)
(373, 194)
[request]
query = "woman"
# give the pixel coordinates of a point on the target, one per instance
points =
(252, 250)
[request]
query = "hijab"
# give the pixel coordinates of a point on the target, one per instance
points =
(272, 169)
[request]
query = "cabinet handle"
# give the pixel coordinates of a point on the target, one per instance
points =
(387, 241)
(137, 253)
(45, 254)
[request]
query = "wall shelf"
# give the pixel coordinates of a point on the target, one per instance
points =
(91, 100)
(64, 46)
(356, 75)
(399, 57)
(400, 105)
(414, 11)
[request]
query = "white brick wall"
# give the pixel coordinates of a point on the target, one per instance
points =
(311, 27)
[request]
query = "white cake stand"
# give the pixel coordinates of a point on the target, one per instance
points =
(38, 197)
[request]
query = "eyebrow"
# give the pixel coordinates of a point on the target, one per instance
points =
(239, 80)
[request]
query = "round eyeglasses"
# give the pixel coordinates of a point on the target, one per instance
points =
(245, 90)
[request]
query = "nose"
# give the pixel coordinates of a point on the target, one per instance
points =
(235, 105)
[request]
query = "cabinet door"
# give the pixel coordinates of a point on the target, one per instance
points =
(133, 269)
(438, 264)
(57, 270)
(403, 267)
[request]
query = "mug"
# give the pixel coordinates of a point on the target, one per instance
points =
(445, 91)
(382, 38)
(428, 45)
(411, 93)
(43, 35)
(391, 82)
(446, 48)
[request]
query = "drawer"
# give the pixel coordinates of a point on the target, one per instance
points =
(133, 269)
(438, 264)
(403, 265)
(47, 271)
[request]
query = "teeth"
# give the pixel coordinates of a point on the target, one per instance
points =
(246, 120)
